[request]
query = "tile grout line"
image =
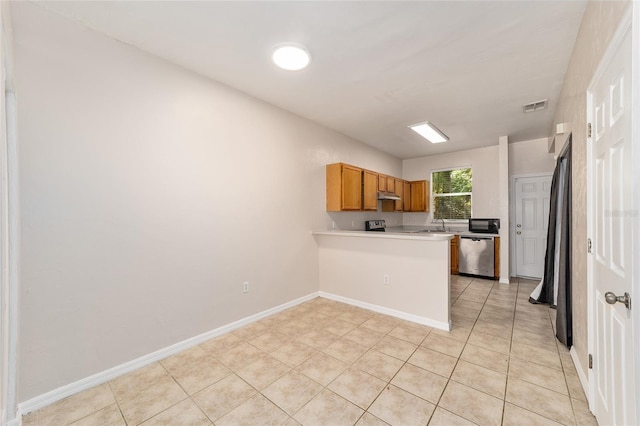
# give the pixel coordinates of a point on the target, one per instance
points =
(449, 379)
(544, 387)
(513, 326)
(366, 410)
(465, 345)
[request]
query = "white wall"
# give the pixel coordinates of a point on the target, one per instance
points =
(485, 197)
(530, 157)
(4, 235)
(148, 194)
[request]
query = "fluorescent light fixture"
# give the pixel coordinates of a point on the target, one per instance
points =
(429, 132)
(291, 56)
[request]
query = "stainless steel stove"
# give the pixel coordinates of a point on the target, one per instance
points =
(375, 225)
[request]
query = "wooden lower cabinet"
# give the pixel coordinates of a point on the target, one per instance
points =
(454, 254)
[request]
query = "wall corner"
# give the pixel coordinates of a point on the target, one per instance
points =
(503, 154)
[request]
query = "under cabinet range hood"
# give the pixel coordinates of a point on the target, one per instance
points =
(387, 196)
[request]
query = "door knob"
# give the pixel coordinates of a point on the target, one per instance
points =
(611, 299)
(518, 232)
(519, 226)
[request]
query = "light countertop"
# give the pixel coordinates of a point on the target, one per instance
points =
(426, 236)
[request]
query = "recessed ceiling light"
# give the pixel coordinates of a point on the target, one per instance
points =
(291, 56)
(429, 132)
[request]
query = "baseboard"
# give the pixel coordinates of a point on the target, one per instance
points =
(18, 420)
(388, 311)
(584, 381)
(110, 374)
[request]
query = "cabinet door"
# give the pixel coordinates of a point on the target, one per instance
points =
(400, 191)
(351, 188)
(427, 195)
(406, 199)
(382, 183)
(370, 190)
(419, 196)
(391, 184)
(454, 255)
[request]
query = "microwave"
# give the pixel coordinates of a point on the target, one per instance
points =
(484, 226)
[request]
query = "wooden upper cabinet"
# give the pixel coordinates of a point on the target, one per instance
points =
(420, 196)
(391, 184)
(344, 187)
(370, 190)
(351, 188)
(406, 196)
(399, 206)
(382, 183)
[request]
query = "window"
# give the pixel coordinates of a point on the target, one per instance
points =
(451, 193)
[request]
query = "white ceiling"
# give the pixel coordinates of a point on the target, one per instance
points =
(466, 66)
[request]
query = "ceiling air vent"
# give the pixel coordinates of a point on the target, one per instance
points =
(535, 106)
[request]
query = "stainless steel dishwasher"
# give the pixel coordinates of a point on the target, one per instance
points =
(476, 255)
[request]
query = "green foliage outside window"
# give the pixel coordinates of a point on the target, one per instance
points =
(452, 193)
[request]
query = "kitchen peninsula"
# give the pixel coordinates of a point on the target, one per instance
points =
(404, 275)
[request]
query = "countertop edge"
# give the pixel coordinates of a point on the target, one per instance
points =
(386, 235)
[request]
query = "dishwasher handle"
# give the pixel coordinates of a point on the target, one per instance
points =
(468, 237)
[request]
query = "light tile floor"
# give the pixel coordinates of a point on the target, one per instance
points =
(327, 363)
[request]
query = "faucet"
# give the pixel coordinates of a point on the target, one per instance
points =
(443, 228)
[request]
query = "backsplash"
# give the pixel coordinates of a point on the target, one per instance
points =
(422, 219)
(355, 220)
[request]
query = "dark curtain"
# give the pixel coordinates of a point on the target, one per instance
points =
(546, 295)
(564, 331)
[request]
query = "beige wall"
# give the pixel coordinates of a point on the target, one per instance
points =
(148, 195)
(530, 157)
(600, 21)
(485, 164)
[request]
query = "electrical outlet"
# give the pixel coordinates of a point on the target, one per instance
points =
(385, 279)
(245, 287)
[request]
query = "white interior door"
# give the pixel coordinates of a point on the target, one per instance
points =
(610, 211)
(532, 198)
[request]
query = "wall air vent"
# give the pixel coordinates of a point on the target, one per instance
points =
(535, 106)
